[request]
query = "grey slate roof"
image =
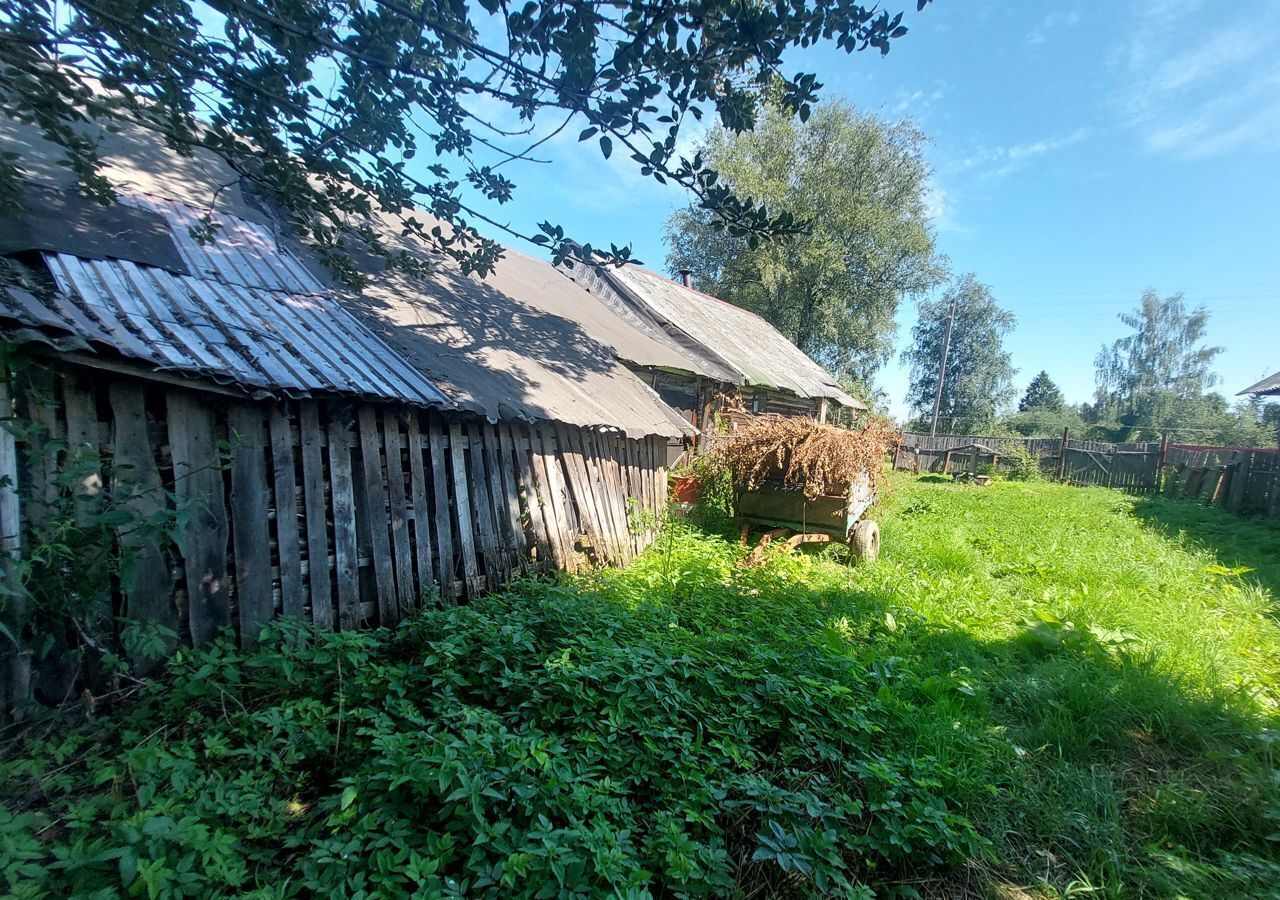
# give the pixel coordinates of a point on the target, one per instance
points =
(1267, 387)
(716, 333)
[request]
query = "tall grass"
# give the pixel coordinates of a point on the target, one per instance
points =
(1127, 650)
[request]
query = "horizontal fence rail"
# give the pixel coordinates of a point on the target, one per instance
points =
(342, 514)
(1240, 479)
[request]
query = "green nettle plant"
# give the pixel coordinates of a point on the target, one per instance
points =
(56, 601)
(632, 733)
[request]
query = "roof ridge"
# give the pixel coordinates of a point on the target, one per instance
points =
(693, 290)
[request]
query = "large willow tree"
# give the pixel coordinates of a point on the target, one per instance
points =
(331, 109)
(860, 185)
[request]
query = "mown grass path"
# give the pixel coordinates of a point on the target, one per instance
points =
(1038, 691)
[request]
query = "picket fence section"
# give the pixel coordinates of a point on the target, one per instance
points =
(343, 514)
(1239, 479)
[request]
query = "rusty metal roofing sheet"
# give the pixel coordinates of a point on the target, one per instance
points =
(267, 341)
(732, 335)
(1267, 387)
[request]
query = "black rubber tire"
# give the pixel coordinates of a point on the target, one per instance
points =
(865, 542)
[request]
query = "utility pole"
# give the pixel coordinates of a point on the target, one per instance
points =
(942, 369)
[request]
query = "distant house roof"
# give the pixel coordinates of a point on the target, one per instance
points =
(253, 307)
(1267, 387)
(737, 343)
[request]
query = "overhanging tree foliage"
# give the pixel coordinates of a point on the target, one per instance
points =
(323, 107)
(978, 381)
(833, 290)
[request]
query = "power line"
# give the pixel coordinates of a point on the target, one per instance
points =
(1140, 291)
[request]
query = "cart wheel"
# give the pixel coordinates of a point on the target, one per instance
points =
(865, 542)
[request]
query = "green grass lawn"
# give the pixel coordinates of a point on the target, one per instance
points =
(1038, 691)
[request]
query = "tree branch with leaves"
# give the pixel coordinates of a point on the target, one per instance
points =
(324, 107)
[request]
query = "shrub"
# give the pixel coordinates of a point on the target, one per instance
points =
(1021, 464)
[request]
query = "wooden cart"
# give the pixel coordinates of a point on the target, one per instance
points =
(790, 515)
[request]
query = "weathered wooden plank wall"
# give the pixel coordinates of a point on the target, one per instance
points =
(1241, 480)
(342, 514)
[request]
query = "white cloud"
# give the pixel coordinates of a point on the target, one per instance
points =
(918, 102)
(1196, 92)
(939, 208)
(1040, 33)
(996, 162)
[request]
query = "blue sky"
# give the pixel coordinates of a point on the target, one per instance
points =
(1081, 153)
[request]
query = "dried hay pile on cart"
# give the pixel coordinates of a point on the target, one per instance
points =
(803, 455)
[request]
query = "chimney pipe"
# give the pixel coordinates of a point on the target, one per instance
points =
(686, 277)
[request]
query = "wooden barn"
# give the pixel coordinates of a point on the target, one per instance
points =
(259, 441)
(732, 356)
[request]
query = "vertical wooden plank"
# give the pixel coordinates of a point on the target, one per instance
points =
(608, 493)
(375, 514)
(421, 511)
(397, 498)
(546, 491)
(81, 410)
(440, 494)
(344, 525)
(40, 399)
(198, 486)
(12, 672)
(510, 456)
(315, 515)
(506, 500)
(481, 487)
(147, 581)
(493, 475)
(462, 509)
(558, 501)
(585, 490)
(577, 491)
(619, 483)
(249, 535)
(284, 482)
(84, 458)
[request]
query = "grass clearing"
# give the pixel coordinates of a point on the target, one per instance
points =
(1039, 689)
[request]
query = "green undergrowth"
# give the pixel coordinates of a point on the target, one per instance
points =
(1038, 690)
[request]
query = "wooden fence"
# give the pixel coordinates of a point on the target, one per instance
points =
(1243, 480)
(1239, 479)
(343, 514)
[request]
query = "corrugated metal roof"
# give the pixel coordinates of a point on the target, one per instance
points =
(1267, 387)
(292, 339)
(730, 335)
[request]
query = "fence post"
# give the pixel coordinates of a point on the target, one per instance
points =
(1237, 496)
(1164, 454)
(1062, 455)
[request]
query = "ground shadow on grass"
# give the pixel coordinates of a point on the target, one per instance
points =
(1234, 540)
(1083, 761)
